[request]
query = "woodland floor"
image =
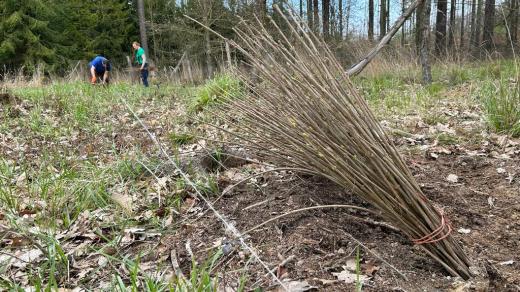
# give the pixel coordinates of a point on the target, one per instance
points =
(80, 210)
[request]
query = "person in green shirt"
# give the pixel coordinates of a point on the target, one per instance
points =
(141, 61)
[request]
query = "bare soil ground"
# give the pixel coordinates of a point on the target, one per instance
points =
(482, 203)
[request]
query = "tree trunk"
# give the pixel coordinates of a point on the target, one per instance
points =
(309, 14)
(473, 23)
(514, 21)
(371, 20)
(340, 12)
(262, 8)
(347, 18)
(489, 25)
(478, 26)
(403, 30)
(423, 36)
(301, 9)
(440, 27)
(316, 11)
(325, 17)
(451, 32)
(207, 42)
(382, 19)
(142, 26)
(462, 19)
(387, 17)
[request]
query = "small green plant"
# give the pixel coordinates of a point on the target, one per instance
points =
(435, 88)
(447, 139)
(502, 107)
(179, 139)
(215, 91)
(200, 276)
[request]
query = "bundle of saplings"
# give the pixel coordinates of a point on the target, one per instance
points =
(304, 112)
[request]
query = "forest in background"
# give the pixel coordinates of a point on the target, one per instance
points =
(58, 33)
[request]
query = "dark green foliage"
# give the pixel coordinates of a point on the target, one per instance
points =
(25, 36)
(57, 33)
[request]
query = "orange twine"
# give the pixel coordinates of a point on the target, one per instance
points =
(438, 234)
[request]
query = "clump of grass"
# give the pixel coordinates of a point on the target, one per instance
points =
(215, 91)
(502, 106)
(434, 117)
(458, 76)
(179, 139)
(447, 139)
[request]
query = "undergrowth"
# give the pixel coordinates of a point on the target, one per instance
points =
(215, 91)
(501, 100)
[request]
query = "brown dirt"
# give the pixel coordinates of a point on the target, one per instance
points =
(321, 240)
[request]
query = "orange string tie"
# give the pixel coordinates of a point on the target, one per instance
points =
(438, 234)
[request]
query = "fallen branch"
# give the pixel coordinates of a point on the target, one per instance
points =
(357, 68)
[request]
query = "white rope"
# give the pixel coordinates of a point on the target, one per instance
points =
(229, 226)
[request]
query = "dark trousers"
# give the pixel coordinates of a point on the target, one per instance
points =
(144, 75)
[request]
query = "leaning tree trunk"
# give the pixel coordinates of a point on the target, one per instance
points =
(142, 26)
(489, 25)
(400, 21)
(423, 37)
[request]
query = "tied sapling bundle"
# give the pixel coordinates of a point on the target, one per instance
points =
(304, 112)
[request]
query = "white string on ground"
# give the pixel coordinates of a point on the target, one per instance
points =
(229, 226)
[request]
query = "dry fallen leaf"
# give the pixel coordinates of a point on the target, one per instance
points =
(295, 286)
(452, 178)
(349, 277)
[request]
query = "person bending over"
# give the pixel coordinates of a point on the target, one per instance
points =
(99, 69)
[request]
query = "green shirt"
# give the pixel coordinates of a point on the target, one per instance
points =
(139, 56)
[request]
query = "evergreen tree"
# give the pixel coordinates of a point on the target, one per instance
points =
(25, 36)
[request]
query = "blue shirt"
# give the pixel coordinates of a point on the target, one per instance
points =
(98, 64)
